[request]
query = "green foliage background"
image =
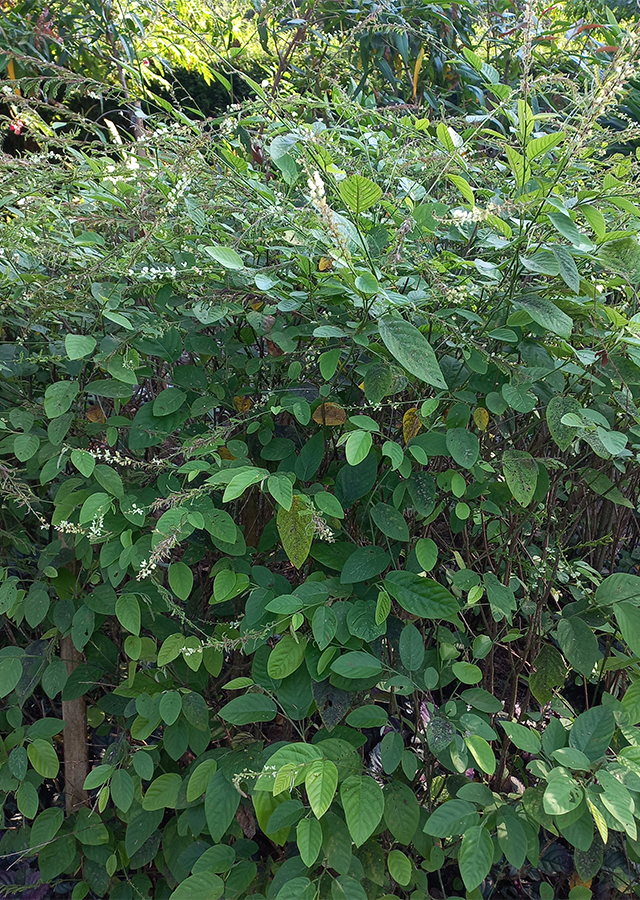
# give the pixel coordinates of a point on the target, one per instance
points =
(320, 436)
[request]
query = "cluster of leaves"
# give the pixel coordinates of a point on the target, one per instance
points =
(318, 466)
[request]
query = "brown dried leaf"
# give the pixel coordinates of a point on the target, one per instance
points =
(329, 414)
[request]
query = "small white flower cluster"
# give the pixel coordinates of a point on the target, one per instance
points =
(464, 216)
(66, 527)
(152, 273)
(316, 189)
(318, 199)
(159, 553)
(177, 192)
(137, 510)
(322, 530)
(146, 569)
(95, 529)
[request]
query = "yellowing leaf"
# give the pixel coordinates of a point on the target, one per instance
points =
(325, 264)
(242, 404)
(411, 424)
(329, 414)
(416, 71)
(296, 529)
(223, 453)
(481, 418)
(256, 305)
(95, 414)
(576, 881)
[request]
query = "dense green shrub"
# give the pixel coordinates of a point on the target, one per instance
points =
(320, 437)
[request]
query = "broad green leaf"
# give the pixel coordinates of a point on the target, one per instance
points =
(240, 482)
(550, 673)
(579, 644)
(399, 867)
(226, 256)
(467, 673)
(220, 525)
(571, 758)
(79, 345)
(390, 521)
(329, 504)
(181, 580)
(628, 618)
(567, 228)
(98, 777)
(562, 795)
(592, 731)
(309, 840)
(220, 805)
(391, 750)
(365, 563)
(122, 789)
(43, 758)
(363, 804)
(378, 382)
(412, 350)
(25, 446)
(168, 401)
(558, 407)
(82, 627)
(171, 648)
(618, 801)
(618, 587)
(622, 256)
(519, 397)
(567, 267)
(631, 702)
(296, 529)
(58, 398)
(84, 462)
(464, 447)
(204, 886)
(359, 193)
(27, 800)
(46, 826)
(357, 664)
(162, 792)
(128, 613)
(321, 781)
(218, 858)
(248, 709)
(524, 738)
(546, 314)
(475, 856)
(451, 819)
(541, 145)
(357, 447)
(596, 220)
(426, 553)
(324, 625)
(286, 656)
(411, 646)
(170, 706)
(521, 474)
(367, 283)
(512, 838)
(481, 752)
(200, 778)
(281, 489)
(10, 674)
(422, 596)
(464, 187)
(368, 716)
(401, 811)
